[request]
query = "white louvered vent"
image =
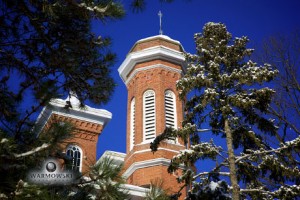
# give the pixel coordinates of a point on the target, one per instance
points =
(132, 123)
(149, 115)
(170, 109)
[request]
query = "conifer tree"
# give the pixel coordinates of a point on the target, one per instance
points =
(47, 49)
(226, 96)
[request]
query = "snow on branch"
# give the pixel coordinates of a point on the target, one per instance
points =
(3, 140)
(284, 146)
(197, 151)
(208, 173)
(94, 8)
(33, 151)
(287, 191)
(203, 130)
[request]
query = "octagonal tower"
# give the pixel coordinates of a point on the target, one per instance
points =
(150, 72)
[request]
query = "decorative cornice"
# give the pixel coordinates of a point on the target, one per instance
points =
(57, 106)
(152, 67)
(157, 52)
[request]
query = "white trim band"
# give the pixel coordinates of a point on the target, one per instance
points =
(157, 52)
(57, 106)
(135, 190)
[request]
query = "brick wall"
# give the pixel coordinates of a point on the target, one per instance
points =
(85, 135)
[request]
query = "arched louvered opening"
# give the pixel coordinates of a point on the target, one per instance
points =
(74, 152)
(149, 115)
(170, 109)
(132, 124)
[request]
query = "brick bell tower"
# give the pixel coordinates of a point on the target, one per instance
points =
(88, 124)
(150, 72)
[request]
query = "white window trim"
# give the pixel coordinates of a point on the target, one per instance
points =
(70, 146)
(148, 93)
(132, 125)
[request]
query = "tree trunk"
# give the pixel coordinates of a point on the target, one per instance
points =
(231, 159)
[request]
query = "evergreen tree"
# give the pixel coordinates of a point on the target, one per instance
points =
(47, 49)
(227, 96)
(156, 192)
(104, 183)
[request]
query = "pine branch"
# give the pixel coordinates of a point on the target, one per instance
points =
(260, 190)
(3, 140)
(284, 191)
(34, 109)
(33, 151)
(287, 145)
(94, 8)
(203, 130)
(208, 173)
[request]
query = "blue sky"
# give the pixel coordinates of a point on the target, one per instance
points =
(256, 19)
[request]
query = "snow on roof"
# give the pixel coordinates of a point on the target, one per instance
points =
(159, 36)
(86, 113)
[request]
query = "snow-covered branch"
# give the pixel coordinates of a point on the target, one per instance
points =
(260, 152)
(287, 191)
(3, 140)
(260, 190)
(208, 173)
(203, 130)
(33, 151)
(94, 8)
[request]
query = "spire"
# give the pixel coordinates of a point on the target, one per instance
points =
(160, 26)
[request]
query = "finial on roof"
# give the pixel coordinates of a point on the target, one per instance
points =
(160, 26)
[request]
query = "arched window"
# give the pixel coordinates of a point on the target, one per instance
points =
(170, 109)
(75, 153)
(132, 124)
(149, 115)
